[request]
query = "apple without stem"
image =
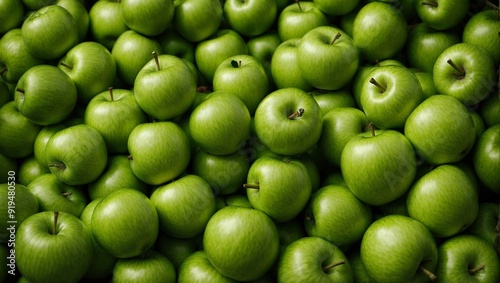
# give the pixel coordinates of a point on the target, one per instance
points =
(486, 158)
(106, 23)
(148, 18)
(196, 20)
(250, 17)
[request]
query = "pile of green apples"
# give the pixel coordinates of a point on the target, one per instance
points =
(249, 141)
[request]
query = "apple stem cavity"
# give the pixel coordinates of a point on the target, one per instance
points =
(3, 70)
(18, 89)
(155, 56)
(67, 194)
(235, 64)
(335, 38)
(66, 65)
(473, 271)
(58, 165)
(461, 71)
(110, 89)
(296, 114)
(298, 4)
(375, 83)
(332, 265)
(251, 186)
(54, 227)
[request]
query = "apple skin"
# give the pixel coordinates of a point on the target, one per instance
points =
(173, 43)
(233, 229)
(395, 247)
(489, 109)
(482, 30)
(26, 204)
(217, 132)
(425, 44)
(306, 260)
(445, 200)
(250, 18)
(184, 206)
(29, 169)
(91, 67)
(262, 48)
(175, 249)
(442, 15)
(79, 12)
(328, 100)
(72, 168)
(336, 7)
(106, 23)
(326, 60)
(159, 152)
(427, 83)
(150, 267)
(196, 20)
(12, 13)
(15, 56)
(379, 31)
(116, 232)
(53, 195)
(475, 79)
(441, 130)
(41, 255)
(486, 158)
(59, 28)
(278, 132)
(41, 142)
(297, 19)
(485, 223)
(461, 254)
(45, 95)
(197, 269)
(18, 133)
(396, 170)
(114, 114)
(148, 18)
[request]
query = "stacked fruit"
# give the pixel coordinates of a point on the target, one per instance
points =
(250, 140)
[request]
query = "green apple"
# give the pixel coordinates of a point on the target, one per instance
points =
(445, 200)
(479, 125)
(486, 158)
(76, 155)
(9, 164)
(313, 259)
(485, 223)
(106, 23)
(327, 58)
(245, 77)
(281, 196)
(148, 18)
(466, 72)
(482, 30)
(165, 87)
(425, 44)
(79, 12)
(467, 258)
(379, 31)
(48, 242)
(442, 15)
(489, 109)
(426, 81)
(235, 229)
(12, 13)
(378, 166)
(197, 269)
(220, 132)
(184, 206)
(59, 30)
(173, 43)
(224, 173)
(91, 67)
(441, 130)
(125, 223)
(18, 133)
(335, 214)
(196, 20)
(131, 52)
(290, 232)
(388, 96)
(33, 5)
(297, 19)
(397, 248)
(210, 53)
(150, 267)
(117, 175)
(336, 7)
(53, 195)
(45, 95)
(250, 17)
(41, 142)
(29, 169)
(159, 152)
(17, 204)
(284, 66)
(262, 48)
(102, 264)
(286, 116)
(397, 206)
(114, 114)
(175, 249)
(328, 100)
(15, 58)
(358, 270)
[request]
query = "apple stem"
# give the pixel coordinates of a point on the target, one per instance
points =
(251, 186)
(130, 157)
(473, 271)
(433, 4)
(297, 113)
(54, 227)
(461, 72)
(58, 165)
(3, 70)
(332, 265)
(427, 272)
(372, 128)
(491, 5)
(337, 36)
(298, 4)
(110, 89)
(155, 56)
(375, 83)
(66, 65)
(67, 194)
